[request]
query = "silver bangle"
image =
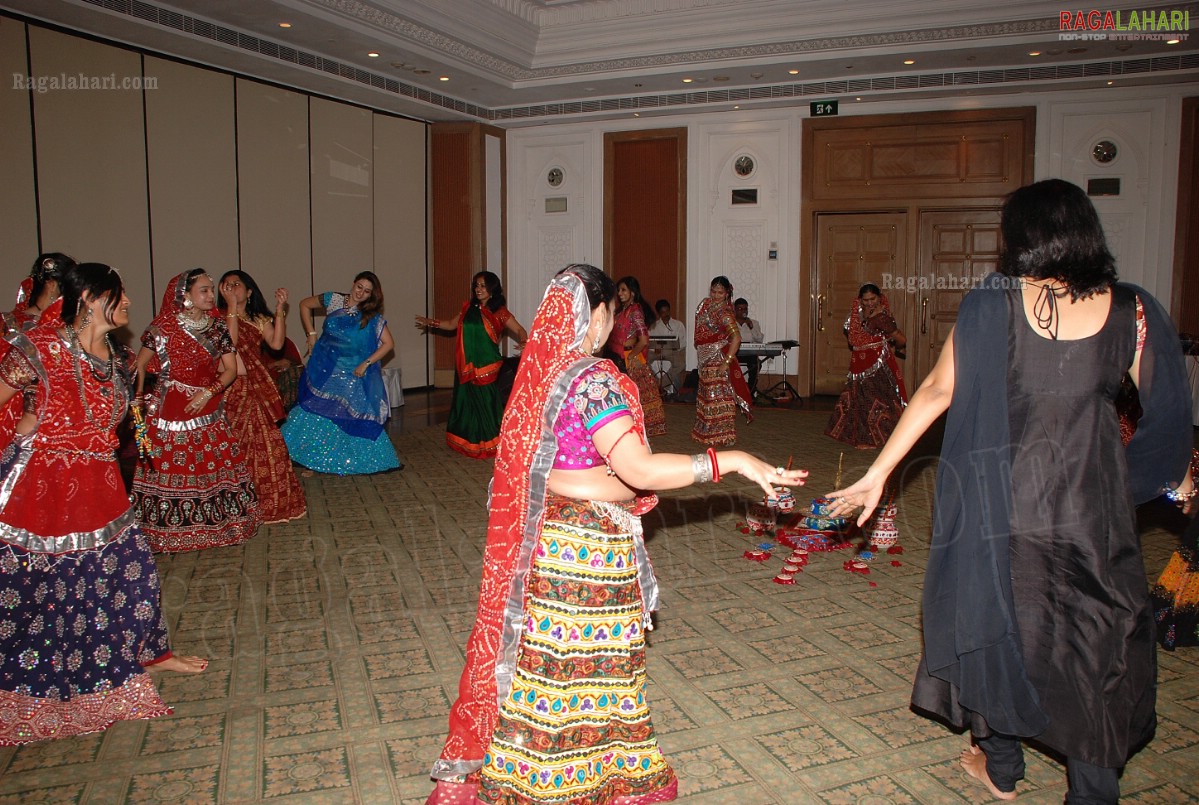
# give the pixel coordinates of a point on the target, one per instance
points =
(701, 468)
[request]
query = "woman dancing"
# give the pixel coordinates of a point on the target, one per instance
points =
(722, 388)
(252, 404)
(473, 428)
(337, 424)
(629, 340)
(551, 704)
(874, 396)
(1037, 616)
(81, 621)
(192, 490)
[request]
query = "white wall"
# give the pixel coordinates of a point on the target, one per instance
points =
(723, 239)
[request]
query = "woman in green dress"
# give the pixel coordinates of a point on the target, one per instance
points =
(474, 424)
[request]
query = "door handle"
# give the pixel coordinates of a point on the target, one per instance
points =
(820, 313)
(923, 316)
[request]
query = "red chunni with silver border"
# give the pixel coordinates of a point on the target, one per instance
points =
(194, 490)
(79, 590)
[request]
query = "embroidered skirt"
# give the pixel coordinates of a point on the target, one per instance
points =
(575, 726)
(715, 402)
(195, 491)
(651, 396)
(75, 630)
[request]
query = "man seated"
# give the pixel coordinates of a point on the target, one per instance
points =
(671, 380)
(751, 333)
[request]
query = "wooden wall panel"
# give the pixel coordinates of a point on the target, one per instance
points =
(1186, 232)
(457, 201)
(272, 192)
(18, 196)
(91, 152)
(953, 159)
(192, 170)
(401, 227)
(645, 180)
(342, 189)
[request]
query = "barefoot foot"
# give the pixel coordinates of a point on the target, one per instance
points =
(975, 763)
(181, 664)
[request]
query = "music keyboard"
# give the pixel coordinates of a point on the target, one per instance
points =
(760, 350)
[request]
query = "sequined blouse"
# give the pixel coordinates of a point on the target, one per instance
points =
(595, 400)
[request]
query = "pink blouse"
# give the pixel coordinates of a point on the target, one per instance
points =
(596, 400)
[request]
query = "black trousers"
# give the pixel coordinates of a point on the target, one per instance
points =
(1087, 783)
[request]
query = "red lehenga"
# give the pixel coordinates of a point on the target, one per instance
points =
(193, 491)
(254, 409)
(79, 591)
(722, 387)
(629, 325)
(874, 395)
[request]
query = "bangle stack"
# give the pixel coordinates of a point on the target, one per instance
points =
(704, 467)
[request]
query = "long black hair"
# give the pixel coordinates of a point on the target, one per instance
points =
(256, 306)
(634, 287)
(494, 287)
(1052, 231)
(94, 279)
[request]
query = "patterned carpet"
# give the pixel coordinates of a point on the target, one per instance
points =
(336, 643)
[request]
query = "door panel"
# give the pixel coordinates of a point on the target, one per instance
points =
(851, 250)
(956, 249)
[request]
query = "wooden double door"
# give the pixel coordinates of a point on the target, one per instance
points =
(924, 281)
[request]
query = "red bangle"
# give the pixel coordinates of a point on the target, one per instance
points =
(715, 466)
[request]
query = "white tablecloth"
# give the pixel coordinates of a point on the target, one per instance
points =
(395, 388)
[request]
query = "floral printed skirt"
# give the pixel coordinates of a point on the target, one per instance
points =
(575, 726)
(75, 630)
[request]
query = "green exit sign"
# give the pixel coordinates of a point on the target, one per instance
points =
(823, 108)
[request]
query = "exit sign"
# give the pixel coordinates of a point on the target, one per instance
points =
(823, 108)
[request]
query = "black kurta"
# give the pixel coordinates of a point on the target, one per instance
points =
(1037, 616)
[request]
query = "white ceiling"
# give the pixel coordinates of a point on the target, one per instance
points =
(524, 62)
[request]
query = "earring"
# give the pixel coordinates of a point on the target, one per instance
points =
(87, 319)
(188, 304)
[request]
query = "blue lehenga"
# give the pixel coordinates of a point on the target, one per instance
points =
(337, 425)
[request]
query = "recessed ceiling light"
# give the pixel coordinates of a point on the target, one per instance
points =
(1173, 41)
(1034, 53)
(285, 25)
(793, 72)
(636, 114)
(688, 80)
(720, 78)
(373, 55)
(444, 78)
(1076, 51)
(1109, 83)
(857, 99)
(736, 107)
(422, 71)
(909, 61)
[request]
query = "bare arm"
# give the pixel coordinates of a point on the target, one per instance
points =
(929, 402)
(276, 333)
(144, 355)
(898, 338)
(517, 332)
(638, 468)
(309, 307)
(426, 324)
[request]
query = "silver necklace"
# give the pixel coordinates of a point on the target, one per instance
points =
(192, 324)
(80, 357)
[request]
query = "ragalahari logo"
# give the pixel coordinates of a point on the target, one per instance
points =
(1153, 24)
